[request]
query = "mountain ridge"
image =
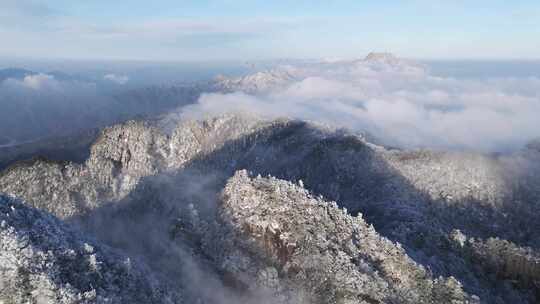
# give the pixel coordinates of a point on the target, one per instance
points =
(419, 199)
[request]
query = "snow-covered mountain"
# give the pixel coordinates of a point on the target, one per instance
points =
(262, 189)
(45, 261)
(258, 82)
(341, 221)
(386, 58)
(281, 76)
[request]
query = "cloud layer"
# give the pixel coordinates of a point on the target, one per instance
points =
(42, 105)
(118, 79)
(401, 103)
(40, 85)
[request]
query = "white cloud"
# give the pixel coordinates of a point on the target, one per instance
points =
(34, 82)
(118, 79)
(46, 84)
(40, 105)
(402, 104)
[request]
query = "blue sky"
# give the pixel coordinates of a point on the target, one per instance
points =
(180, 30)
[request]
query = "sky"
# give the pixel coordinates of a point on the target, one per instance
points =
(179, 30)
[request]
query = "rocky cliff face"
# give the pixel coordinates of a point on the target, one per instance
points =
(156, 195)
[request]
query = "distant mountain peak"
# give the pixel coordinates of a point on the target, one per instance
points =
(534, 145)
(382, 57)
(261, 81)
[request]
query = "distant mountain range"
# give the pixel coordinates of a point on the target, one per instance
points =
(14, 73)
(102, 102)
(75, 104)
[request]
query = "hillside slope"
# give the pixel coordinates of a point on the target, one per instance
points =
(445, 209)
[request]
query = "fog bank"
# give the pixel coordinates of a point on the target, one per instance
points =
(402, 103)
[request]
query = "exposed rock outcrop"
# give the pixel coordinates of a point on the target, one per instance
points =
(276, 230)
(508, 260)
(503, 258)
